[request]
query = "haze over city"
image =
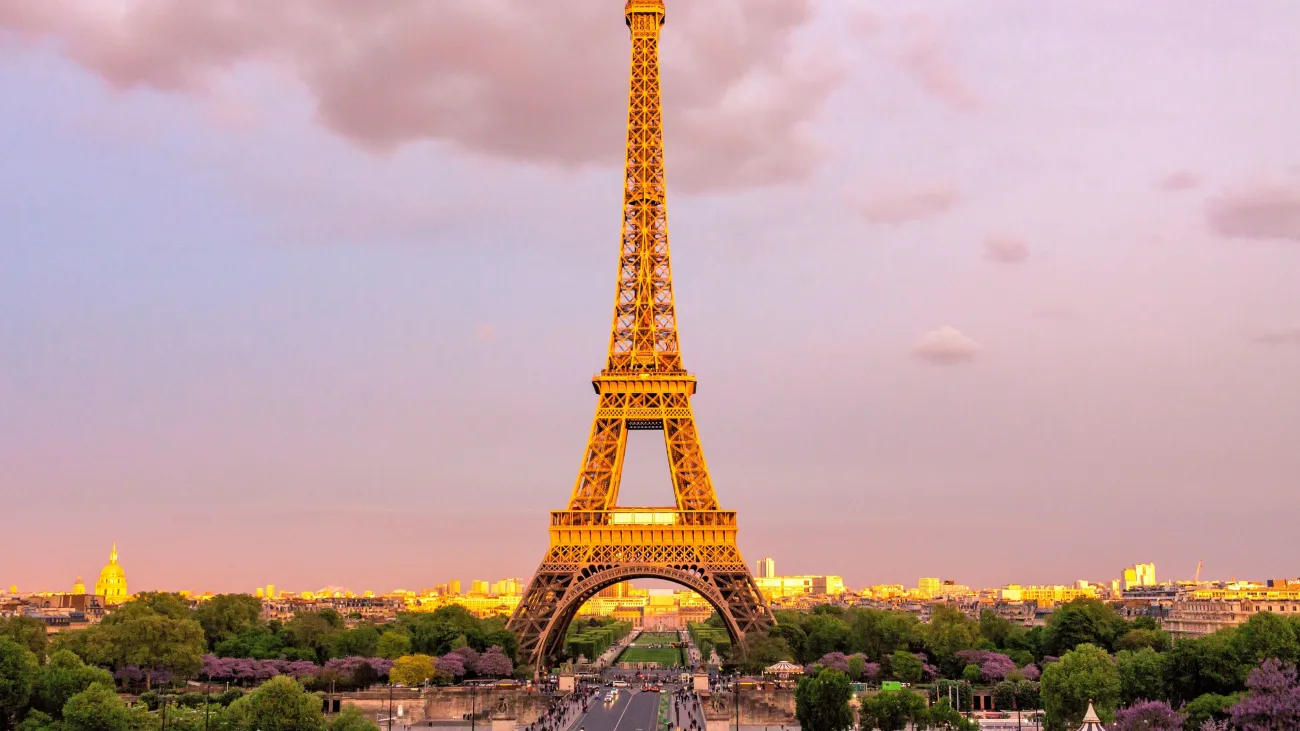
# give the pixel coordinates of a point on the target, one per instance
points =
(997, 292)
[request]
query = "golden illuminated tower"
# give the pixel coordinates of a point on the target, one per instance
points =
(643, 386)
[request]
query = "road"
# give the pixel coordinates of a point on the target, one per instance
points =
(632, 711)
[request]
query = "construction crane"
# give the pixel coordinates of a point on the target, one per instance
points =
(1197, 578)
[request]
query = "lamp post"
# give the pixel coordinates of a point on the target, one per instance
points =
(390, 705)
(164, 712)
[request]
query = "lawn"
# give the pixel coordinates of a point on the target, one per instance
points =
(661, 655)
(656, 638)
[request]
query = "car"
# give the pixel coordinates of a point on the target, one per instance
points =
(620, 684)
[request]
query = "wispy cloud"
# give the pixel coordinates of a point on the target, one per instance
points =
(946, 346)
(1004, 249)
(891, 207)
(1257, 211)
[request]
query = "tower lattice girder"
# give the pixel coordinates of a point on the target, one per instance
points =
(644, 386)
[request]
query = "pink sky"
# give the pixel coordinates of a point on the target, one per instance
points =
(309, 293)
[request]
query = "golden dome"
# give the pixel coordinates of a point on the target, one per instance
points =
(112, 581)
(79, 587)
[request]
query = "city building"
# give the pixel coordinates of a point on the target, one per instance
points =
(478, 586)
(453, 587)
(112, 581)
(79, 587)
(1143, 574)
(926, 586)
(766, 568)
(1046, 595)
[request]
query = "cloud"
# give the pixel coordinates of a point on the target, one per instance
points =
(925, 56)
(1179, 180)
(542, 83)
(1005, 249)
(1279, 336)
(904, 205)
(1259, 211)
(945, 346)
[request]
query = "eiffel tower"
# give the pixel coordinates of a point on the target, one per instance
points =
(643, 386)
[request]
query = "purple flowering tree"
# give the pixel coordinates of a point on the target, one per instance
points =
(1273, 703)
(871, 670)
(835, 661)
(451, 664)
(1031, 672)
(995, 667)
(494, 664)
(1148, 716)
(468, 656)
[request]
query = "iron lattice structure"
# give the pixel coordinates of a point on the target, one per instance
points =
(643, 386)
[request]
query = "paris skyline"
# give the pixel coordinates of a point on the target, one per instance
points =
(282, 319)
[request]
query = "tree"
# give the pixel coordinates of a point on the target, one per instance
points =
(1136, 639)
(1273, 703)
(18, 669)
(906, 667)
(1141, 675)
(945, 717)
(1204, 665)
(64, 676)
(494, 664)
(996, 628)
(393, 645)
(412, 670)
(27, 631)
(1209, 707)
(879, 633)
(1148, 716)
(971, 674)
(892, 710)
(352, 719)
(763, 650)
(835, 661)
(280, 704)
(1082, 621)
(228, 615)
(170, 605)
(312, 631)
(361, 641)
(826, 634)
(1265, 635)
(97, 708)
(453, 665)
(152, 641)
(1015, 694)
(1083, 674)
(949, 632)
(822, 702)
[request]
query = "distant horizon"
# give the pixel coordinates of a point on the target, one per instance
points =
(655, 585)
(316, 296)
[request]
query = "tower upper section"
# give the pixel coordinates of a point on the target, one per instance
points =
(644, 333)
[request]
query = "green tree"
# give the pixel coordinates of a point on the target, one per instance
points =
(1209, 664)
(27, 631)
(39, 721)
(761, 651)
(170, 605)
(971, 674)
(1015, 695)
(97, 708)
(906, 667)
(362, 641)
(1141, 675)
(879, 633)
(1210, 706)
(826, 633)
(997, 629)
(1083, 674)
(93, 644)
(157, 642)
(64, 676)
(393, 645)
(1136, 639)
(946, 718)
(312, 631)
(228, 615)
(352, 719)
(256, 642)
(948, 633)
(18, 669)
(1263, 636)
(1082, 621)
(279, 704)
(892, 710)
(413, 670)
(822, 702)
